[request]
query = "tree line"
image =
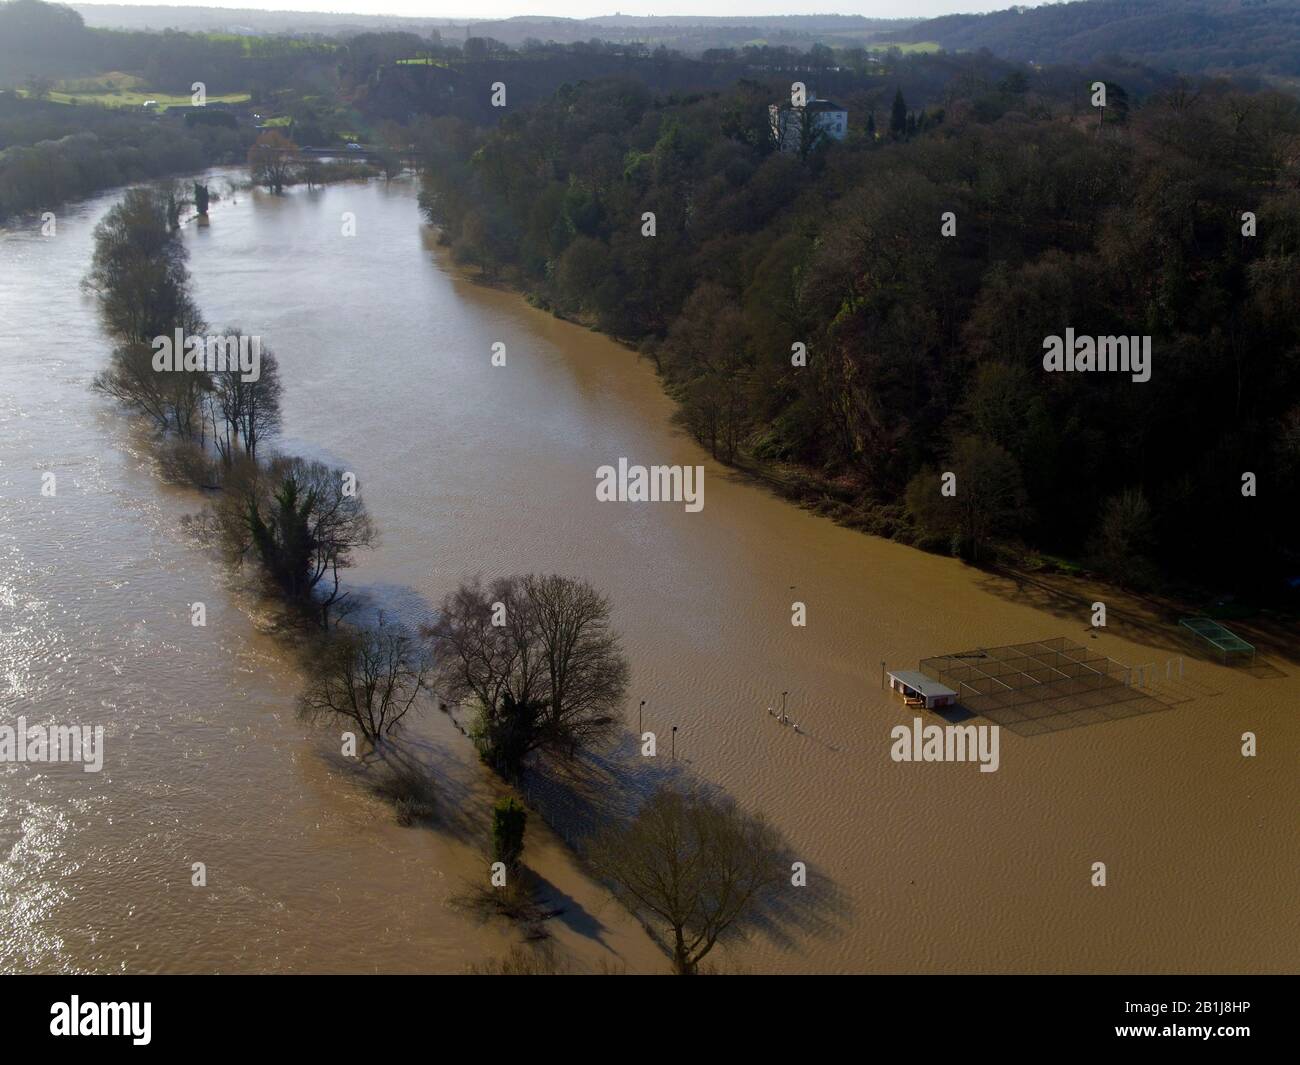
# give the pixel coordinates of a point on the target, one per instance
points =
(51, 153)
(52, 40)
(1193, 36)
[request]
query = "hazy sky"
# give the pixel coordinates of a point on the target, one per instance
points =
(588, 8)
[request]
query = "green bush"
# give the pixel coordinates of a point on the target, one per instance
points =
(508, 821)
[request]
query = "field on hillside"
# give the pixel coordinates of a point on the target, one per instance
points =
(119, 89)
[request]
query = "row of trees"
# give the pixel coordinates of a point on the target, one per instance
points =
(43, 38)
(275, 162)
(140, 277)
(920, 275)
(302, 520)
(1186, 35)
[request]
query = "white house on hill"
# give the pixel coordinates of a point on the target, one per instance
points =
(795, 127)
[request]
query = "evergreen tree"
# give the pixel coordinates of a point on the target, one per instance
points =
(898, 115)
(509, 818)
(284, 542)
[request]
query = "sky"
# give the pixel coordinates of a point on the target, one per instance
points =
(590, 8)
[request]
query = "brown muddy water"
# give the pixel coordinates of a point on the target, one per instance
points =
(386, 356)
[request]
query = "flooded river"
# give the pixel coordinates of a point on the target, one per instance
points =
(386, 356)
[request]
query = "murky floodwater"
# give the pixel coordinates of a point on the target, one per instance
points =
(386, 358)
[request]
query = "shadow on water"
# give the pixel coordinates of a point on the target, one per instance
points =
(603, 790)
(1148, 620)
(406, 764)
(570, 912)
(1058, 715)
(578, 798)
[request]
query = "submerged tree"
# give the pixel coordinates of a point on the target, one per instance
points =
(368, 677)
(140, 279)
(244, 410)
(305, 520)
(509, 819)
(507, 735)
(139, 271)
(696, 865)
(272, 160)
(537, 657)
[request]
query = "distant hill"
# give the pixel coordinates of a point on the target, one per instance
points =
(1259, 37)
(690, 33)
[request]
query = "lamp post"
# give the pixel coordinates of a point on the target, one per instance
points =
(639, 731)
(674, 743)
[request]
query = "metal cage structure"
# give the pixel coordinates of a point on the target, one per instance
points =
(1056, 672)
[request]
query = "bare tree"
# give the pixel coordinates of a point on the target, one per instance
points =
(243, 412)
(172, 399)
(480, 660)
(586, 672)
(272, 160)
(132, 380)
(694, 864)
(370, 677)
(537, 658)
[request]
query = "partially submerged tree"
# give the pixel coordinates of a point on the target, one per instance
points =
(538, 659)
(244, 412)
(508, 735)
(696, 865)
(273, 160)
(139, 277)
(368, 677)
(138, 271)
(304, 520)
(169, 399)
(509, 819)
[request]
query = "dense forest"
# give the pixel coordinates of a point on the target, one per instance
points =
(925, 350)
(1192, 36)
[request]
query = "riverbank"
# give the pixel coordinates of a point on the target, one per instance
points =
(837, 500)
